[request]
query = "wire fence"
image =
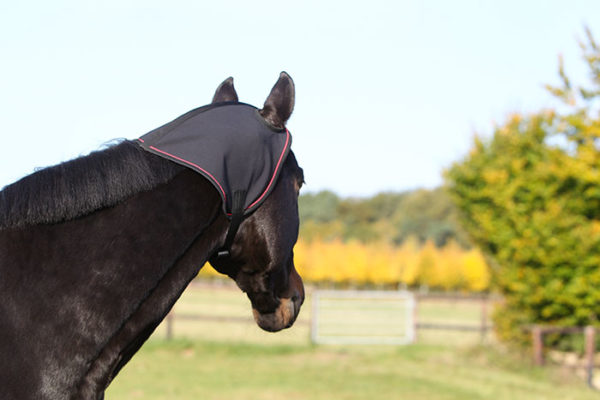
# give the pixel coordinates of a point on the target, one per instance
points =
(210, 311)
(362, 317)
(343, 317)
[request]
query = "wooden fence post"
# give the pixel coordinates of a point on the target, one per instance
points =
(538, 345)
(416, 317)
(590, 349)
(484, 319)
(170, 317)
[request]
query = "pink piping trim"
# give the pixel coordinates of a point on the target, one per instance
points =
(287, 140)
(194, 165)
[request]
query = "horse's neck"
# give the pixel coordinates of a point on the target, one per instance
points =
(151, 310)
(107, 280)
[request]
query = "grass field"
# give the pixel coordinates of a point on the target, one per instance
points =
(228, 301)
(215, 360)
(184, 369)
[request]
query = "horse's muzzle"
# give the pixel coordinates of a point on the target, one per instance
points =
(289, 307)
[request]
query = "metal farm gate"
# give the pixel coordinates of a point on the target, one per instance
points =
(363, 317)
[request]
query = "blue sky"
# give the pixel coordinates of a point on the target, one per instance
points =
(389, 93)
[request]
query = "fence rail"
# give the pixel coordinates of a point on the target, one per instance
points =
(483, 329)
(483, 301)
(413, 316)
(589, 334)
(421, 319)
(362, 317)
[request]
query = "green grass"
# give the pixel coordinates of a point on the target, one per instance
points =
(236, 360)
(183, 369)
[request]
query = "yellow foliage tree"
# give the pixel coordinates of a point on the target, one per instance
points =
(447, 268)
(407, 257)
(475, 271)
(411, 264)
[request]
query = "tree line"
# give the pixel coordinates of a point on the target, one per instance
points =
(390, 240)
(392, 218)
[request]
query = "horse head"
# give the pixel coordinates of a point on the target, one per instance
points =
(261, 259)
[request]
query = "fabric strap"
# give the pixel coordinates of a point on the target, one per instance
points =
(237, 216)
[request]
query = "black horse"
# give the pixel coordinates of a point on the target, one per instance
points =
(94, 252)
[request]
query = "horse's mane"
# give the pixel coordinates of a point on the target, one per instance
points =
(80, 186)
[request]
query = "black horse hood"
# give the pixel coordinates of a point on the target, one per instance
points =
(230, 144)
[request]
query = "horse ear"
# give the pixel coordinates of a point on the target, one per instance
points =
(225, 92)
(280, 103)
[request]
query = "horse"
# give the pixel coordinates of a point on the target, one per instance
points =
(94, 252)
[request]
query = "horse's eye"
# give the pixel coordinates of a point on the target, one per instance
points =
(249, 271)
